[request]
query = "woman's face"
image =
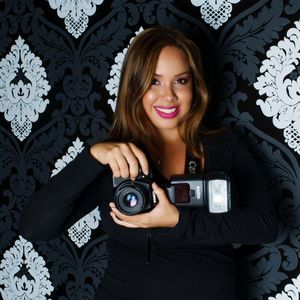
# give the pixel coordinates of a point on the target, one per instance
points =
(170, 95)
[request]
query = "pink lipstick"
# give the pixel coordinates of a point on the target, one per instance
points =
(167, 112)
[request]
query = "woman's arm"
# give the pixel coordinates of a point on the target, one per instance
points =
(252, 221)
(52, 207)
(76, 190)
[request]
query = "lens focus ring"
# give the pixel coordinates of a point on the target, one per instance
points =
(130, 198)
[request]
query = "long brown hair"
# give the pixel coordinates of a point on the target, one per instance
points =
(130, 120)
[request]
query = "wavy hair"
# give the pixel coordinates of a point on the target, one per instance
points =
(131, 123)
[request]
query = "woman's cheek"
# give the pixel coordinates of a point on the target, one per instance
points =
(148, 99)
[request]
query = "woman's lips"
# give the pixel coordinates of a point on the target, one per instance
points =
(167, 112)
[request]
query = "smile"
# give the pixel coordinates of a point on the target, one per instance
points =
(167, 112)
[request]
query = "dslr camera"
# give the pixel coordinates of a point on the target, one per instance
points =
(211, 191)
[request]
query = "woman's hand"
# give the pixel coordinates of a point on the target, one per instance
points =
(165, 214)
(124, 159)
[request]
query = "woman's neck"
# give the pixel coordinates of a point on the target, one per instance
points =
(173, 153)
(168, 138)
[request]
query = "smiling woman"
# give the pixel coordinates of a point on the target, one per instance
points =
(164, 251)
(165, 61)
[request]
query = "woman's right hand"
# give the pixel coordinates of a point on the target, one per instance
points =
(124, 159)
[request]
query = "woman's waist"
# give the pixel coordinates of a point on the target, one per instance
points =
(194, 262)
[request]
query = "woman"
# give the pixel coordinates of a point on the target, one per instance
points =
(168, 252)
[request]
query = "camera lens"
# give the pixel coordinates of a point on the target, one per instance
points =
(130, 198)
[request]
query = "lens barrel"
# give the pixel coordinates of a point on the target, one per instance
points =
(130, 198)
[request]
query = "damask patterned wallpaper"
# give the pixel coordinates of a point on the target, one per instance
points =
(59, 70)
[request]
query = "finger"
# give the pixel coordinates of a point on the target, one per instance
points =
(122, 163)
(120, 222)
(132, 161)
(112, 205)
(120, 216)
(160, 193)
(133, 170)
(142, 159)
(138, 220)
(115, 168)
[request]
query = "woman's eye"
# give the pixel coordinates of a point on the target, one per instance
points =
(154, 82)
(181, 81)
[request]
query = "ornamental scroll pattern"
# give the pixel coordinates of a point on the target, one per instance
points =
(215, 13)
(75, 13)
(23, 273)
(23, 83)
(291, 291)
(115, 73)
(283, 93)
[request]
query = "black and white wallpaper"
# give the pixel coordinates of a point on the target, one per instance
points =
(60, 63)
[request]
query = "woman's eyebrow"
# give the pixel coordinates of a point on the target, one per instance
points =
(176, 75)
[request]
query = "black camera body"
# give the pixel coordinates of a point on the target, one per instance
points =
(211, 191)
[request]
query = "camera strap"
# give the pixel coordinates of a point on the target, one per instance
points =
(193, 165)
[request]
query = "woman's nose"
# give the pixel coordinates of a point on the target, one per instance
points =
(168, 92)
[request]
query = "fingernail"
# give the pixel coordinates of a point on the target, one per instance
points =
(146, 172)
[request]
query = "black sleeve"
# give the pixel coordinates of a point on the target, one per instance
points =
(253, 221)
(67, 197)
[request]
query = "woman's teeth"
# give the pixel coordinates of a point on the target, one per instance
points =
(166, 110)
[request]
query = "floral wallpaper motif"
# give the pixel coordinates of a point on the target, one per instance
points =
(23, 83)
(17, 285)
(115, 73)
(291, 291)
(75, 13)
(73, 151)
(60, 64)
(215, 12)
(80, 232)
(283, 98)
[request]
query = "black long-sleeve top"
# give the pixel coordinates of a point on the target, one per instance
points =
(193, 260)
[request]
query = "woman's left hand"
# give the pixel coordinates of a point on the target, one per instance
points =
(165, 214)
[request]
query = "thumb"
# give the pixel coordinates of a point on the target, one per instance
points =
(160, 193)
